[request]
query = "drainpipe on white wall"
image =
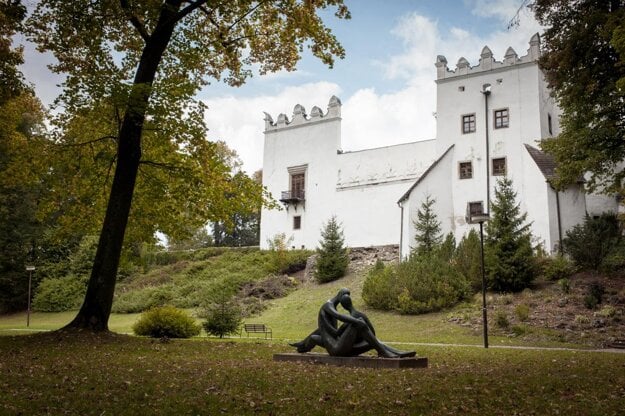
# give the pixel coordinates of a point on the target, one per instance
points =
(559, 216)
(401, 229)
(486, 92)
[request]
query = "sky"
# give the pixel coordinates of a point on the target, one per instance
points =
(385, 83)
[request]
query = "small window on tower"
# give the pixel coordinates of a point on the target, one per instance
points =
(499, 166)
(476, 208)
(297, 222)
(468, 123)
(549, 124)
(466, 170)
(502, 118)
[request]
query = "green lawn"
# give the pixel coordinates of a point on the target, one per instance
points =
(83, 374)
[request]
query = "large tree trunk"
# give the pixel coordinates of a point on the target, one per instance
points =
(95, 311)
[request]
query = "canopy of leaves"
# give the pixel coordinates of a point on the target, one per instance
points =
(584, 63)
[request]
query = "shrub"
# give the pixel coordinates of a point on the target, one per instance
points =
(332, 258)
(222, 319)
(422, 284)
(501, 320)
(60, 294)
(565, 285)
(589, 243)
(614, 262)
(594, 295)
(556, 268)
(166, 321)
(467, 259)
(522, 312)
(378, 290)
(143, 299)
(607, 311)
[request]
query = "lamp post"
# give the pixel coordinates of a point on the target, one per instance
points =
(30, 270)
(481, 218)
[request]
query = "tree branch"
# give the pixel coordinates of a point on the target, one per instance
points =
(100, 139)
(160, 165)
(134, 20)
(244, 15)
(193, 5)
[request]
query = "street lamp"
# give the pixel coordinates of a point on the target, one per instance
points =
(29, 269)
(481, 218)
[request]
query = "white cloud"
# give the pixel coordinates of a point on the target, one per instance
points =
(239, 121)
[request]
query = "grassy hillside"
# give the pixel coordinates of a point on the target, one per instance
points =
(544, 316)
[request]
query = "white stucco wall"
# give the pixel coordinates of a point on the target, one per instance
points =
(436, 183)
(359, 188)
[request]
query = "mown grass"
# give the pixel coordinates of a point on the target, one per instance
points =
(83, 374)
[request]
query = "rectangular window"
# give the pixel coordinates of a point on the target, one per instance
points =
(468, 123)
(549, 123)
(297, 222)
(476, 208)
(499, 166)
(502, 119)
(466, 170)
(297, 185)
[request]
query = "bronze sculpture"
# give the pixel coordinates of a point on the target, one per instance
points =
(355, 336)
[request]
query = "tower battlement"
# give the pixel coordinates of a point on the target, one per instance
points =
(487, 62)
(301, 118)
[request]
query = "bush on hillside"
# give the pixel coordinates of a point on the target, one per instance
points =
(166, 321)
(424, 283)
(589, 243)
(556, 268)
(60, 294)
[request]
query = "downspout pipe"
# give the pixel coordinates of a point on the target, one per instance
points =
(559, 216)
(401, 229)
(486, 92)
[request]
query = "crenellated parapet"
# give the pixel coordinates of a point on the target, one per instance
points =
(487, 61)
(300, 117)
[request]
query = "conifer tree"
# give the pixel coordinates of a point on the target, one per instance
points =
(428, 228)
(332, 259)
(508, 249)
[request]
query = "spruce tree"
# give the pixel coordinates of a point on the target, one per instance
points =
(508, 249)
(332, 256)
(428, 228)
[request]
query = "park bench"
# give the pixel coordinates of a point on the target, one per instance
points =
(257, 329)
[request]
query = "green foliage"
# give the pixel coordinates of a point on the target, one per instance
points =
(60, 294)
(509, 261)
(447, 249)
(501, 320)
(584, 63)
(522, 312)
(422, 284)
(332, 255)
(427, 227)
(167, 322)
(378, 290)
(589, 243)
(199, 277)
(223, 318)
(614, 262)
(467, 259)
(594, 295)
(565, 285)
(556, 268)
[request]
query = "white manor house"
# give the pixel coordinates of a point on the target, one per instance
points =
(489, 119)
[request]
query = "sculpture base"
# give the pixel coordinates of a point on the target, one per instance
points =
(360, 361)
